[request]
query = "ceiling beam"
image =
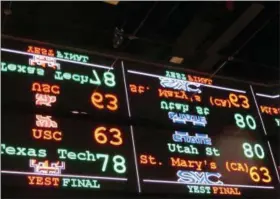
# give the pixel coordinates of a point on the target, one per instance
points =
(242, 22)
(191, 37)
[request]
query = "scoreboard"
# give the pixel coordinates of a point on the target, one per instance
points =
(58, 127)
(74, 122)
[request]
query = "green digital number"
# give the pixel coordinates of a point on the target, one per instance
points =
(109, 79)
(105, 158)
(97, 79)
(250, 151)
(119, 164)
(242, 123)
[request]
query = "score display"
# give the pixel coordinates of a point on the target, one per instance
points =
(60, 81)
(77, 122)
(65, 153)
(215, 141)
(58, 130)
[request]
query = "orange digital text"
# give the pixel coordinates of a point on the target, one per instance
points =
(43, 181)
(201, 80)
(225, 191)
(46, 134)
(45, 88)
(261, 174)
(233, 100)
(178, 95)
(270, 110)
(256, 174)
(237, 166)
(138, 88)
(193, 164)
(148, 160)
(40, 51)
(101, 136)
(97, 100)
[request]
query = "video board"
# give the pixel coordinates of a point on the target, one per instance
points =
(58, 128)
(80, 122)
(216, 143)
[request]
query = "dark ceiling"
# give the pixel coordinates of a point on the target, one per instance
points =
(236, 39)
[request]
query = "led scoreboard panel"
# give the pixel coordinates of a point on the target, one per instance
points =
(64, 80)
(58, 128)
(208, 138)
(75, 123)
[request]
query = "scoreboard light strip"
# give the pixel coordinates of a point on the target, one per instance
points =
(64, 60)
(220, 185)
(64, 175)
(131, 131)
(206, 85)
(267, 96)
(126, 93)
(274, 162)
(224, 88)
(135, 159)
(257, 106)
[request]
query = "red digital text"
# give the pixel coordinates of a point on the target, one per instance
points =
(256, 174)
(40, 51)
(198, 79)
(225, 191)
(198, 165)
(269, 110)
(43, 181)
(43, 91)
(41, 133)
(148, 159)
(45, 88)
(233, 101)
(46, 134)
(138, 88)
(178, 95)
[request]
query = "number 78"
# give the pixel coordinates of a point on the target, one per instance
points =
(119, 163)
